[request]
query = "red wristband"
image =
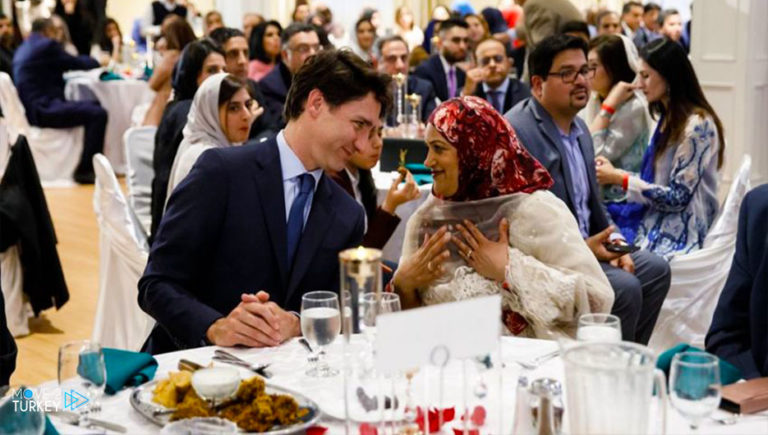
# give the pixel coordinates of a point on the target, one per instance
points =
(625, 182)
(608, 109)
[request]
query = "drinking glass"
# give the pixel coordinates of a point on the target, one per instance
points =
(320, 325)
(387, 303)
(82, 376)
(599, 327)
(695, 385)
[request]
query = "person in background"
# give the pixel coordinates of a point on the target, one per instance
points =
(394, 60)
(38, 68)
(300, 12)
(212, 21)
(579, 29)
(739, 333)
(8, 44)
(299, 42)
(264, 49)
(177, 34)
(675, 193)
(199, 60)
(631, 18)
(110, 47)
(439, 14)
(61, 35)
(608, 23)
(441, 69)
(80, 23)
(157, 12)
(490, 80)
(363, 39)
(251, 20)
(541, 19)
(650, 25)
(671, 26)
(548, 126)
(406, 28)
(497, 26)
(477, 30)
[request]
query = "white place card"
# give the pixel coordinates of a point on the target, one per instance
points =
(438, 333)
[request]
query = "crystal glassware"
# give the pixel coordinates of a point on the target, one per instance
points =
(694, 385)
(320, 325)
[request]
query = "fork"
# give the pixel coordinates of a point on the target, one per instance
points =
(226, 357)
(538, 361)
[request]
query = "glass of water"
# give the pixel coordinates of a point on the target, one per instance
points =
(599, 327)
(320, 325)
(82, 376)
(694, 385)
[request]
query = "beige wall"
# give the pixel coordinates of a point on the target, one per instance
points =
(125, 11)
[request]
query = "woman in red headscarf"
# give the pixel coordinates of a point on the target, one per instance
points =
(492, 227)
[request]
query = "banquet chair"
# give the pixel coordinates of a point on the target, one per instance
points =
(139, 147)
(698, 278)
(123, 252)
(56, 150)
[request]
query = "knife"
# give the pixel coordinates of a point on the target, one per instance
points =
(76, 419)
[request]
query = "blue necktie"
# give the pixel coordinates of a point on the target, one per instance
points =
(495, 100)
(296, 215)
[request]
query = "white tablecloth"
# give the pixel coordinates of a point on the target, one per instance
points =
(118, 98)
(289, 363)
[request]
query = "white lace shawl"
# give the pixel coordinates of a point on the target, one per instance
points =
(552, 275)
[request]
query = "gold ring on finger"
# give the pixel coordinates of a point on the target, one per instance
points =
(469, 254)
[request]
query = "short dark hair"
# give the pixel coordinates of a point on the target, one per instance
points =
(224, 34)
(40, 25)
(341, 76)
(256, 44)
(544, 53)
(629, 5)
(604, 14)
(575, 26)
(294, 29)
(190, 64)
(651, 6)
(3, 16)
(613, 56)
(450, 23)
(391, 38)
(230, 85)
(666, 13)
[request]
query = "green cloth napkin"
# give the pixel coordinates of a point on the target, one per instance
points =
(124, 368)
(421, 174)
(728, 372)
(49, 428)
(107, 76)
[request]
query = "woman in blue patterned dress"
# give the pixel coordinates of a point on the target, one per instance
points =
(673, 200)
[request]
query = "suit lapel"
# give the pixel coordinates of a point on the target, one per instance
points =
(441, 81)
(320, 218)
(547, 125)
(272, 201)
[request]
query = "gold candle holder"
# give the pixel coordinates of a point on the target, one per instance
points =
(360, 273)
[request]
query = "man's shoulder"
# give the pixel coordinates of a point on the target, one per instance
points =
(343, 202)
(428, 65)
(521, 113)
(420, 85)
(756, 201)
(239, 158)
(272, 83)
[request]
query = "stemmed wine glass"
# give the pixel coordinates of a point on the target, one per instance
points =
(599, 327)
(320, 325)
(82, 376)
(694, 385)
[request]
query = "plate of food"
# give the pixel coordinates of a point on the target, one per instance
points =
(254, 407)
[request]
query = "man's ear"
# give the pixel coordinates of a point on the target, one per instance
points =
(315, 103)
(537, 85)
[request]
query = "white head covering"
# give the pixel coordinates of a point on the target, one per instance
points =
(633, 57)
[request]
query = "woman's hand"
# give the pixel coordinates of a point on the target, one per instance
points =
(488, 258)
(606, 172)
(425, 265)
(398, 196)
(256, 111)
(621, 92)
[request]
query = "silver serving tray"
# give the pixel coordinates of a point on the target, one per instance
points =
(141, 401)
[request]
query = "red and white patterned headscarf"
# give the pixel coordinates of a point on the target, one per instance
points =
(492, 162)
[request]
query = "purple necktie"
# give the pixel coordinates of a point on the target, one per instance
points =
(452, 82)
(496, 100)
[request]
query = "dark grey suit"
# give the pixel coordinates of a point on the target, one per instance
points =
(639, 296)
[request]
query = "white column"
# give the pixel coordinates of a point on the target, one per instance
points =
(729, 51)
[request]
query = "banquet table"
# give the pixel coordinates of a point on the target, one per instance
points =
(289, 361)
(118, 98)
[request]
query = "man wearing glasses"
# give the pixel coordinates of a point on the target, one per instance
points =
(548, 127)
(441, 69)
(300, 41)
(490, 80)
(394, 60)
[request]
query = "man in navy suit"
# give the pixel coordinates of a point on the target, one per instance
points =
(264, 218)
(394, 60)
(440, 69)
(739, 330)
(38, 66)
(300, 41)
(490, 80)
(548, 127)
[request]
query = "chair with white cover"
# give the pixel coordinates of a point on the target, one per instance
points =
(56, 150)
(123, 254)
(139, 148)
(698, 278)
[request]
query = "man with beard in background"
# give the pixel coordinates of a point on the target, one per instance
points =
(440, 69)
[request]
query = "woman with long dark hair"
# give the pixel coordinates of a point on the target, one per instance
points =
(109, 48)
(675, 193)
(264, 49)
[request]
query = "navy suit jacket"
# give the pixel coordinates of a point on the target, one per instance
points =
(224, 233)
(427, 92)
(517, 91)
(432, 71)
(739, 330)
(275, 86)
(38, 65)
(539, 134)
